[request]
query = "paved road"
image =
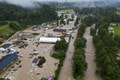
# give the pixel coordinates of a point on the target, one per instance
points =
(90, 57)
(66, 71)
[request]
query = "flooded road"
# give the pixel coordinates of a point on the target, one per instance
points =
(66, 70)
(90, 57)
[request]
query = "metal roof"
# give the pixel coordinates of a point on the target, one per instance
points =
(7, 60)
(6, 46)
(35, 60)
(49, 39)
(59, 30)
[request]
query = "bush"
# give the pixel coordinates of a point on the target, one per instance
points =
(14, 26)
(35, 33)
(80, 43)
(106, 50)
(81, 30)
(60, 50)
(59, 54)
(76, 22)
(61, 45)
(70, 19)
(80, 78)
(79, 65)
(92, 32)
(41, 61)
(57, 72)
(3, 22)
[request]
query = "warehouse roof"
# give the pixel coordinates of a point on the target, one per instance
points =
(59, 30)
(7, 60)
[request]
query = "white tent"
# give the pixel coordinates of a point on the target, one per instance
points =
(12, 50)
(2, 49)
(49, 39)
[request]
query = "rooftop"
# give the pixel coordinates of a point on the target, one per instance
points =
(7, 60)
(6, 46)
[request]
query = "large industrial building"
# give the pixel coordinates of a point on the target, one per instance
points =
(52, 40)
(49, 39)
(7, 61)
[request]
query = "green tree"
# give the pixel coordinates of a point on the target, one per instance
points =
(62, 21)
(80, 43)
(61, 45)
(76, 22)
(14, 26)
(79, 64)
(1, 79)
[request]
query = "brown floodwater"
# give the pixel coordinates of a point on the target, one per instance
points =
(90, 57)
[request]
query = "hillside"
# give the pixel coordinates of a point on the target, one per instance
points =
(12, 14)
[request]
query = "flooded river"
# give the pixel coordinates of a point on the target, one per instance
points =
(90, 57)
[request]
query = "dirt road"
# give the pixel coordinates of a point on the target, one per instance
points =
(90, 57)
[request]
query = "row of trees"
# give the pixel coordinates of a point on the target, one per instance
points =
(108, 12)
(107, 45)
(77, 21)
(79, 64)
(59, 53)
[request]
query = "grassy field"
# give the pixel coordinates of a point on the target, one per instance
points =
(118, 8)
(5, 31)
(117, 30)
(65, 10)
(3, 27)
(118, 11)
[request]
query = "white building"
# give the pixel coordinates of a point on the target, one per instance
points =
(49, 39)
(52, 39)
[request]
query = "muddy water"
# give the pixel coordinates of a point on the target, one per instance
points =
(66, 70)
(90, 57)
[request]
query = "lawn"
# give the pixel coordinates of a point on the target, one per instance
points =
(118, 8)
(117, 30)
(3, 27)
(65, 10)
(5, 31)
(118, 13)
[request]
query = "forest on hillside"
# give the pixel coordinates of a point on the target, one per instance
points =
(14, 18)
(38, 15)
